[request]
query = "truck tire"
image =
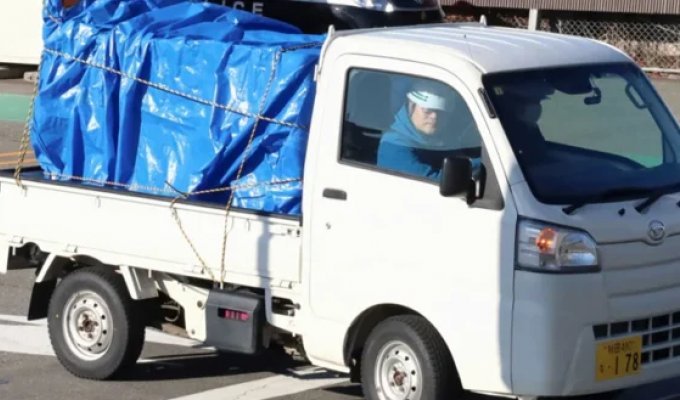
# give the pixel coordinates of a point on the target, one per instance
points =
(94, 329)
(404, 358)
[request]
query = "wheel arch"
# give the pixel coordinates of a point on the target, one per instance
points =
(363, 325)
(56, 266)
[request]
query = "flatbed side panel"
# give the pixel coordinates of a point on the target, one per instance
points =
(71, 218)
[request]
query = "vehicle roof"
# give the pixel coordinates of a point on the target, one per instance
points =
(495, 49)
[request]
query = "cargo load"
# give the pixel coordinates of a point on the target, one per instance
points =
(176, 98)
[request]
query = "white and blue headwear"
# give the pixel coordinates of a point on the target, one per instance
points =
(429, 94)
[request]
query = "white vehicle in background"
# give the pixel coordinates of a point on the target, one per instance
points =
(22, 20)
(544, 262)
(315, 16)
(21, 32)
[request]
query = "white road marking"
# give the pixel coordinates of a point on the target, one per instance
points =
(25, 339)
(31, 337)
(17, 335)
(275, 386)
(21, 320)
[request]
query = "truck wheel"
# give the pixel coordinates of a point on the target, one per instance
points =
(93, 326)
(404, 358)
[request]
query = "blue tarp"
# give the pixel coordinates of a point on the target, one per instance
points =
(162, 96)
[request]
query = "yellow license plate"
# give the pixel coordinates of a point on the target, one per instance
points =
(618, 358)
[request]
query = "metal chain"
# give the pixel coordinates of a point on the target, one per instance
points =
(263, 102)
(172, 190)
(102, 182)
(26, 135)
(178, 220)
(54, 19)
(257, 117)
(168, 89)
(173, 203)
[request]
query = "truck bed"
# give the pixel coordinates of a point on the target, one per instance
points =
(120, 227)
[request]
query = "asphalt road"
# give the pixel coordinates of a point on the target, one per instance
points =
(173, 368)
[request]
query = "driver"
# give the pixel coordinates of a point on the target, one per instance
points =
(415, 143)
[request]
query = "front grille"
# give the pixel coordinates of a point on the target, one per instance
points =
(660, 335)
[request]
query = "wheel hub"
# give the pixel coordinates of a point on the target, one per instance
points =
(88, 328)
(398, 373)
(399, 377)
(86, 325)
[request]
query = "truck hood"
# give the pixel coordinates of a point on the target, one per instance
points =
(610, 223)
(628, 242)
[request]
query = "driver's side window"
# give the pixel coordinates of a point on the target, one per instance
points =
(405, 124)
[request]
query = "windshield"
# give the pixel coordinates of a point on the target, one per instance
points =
(580, 132)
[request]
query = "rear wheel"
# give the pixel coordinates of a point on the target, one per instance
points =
(93, 324)
(405, 359)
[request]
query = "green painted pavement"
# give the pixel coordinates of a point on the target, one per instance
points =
(14, 107)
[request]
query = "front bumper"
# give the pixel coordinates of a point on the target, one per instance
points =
(555, 320)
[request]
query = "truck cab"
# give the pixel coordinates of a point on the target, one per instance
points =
(561, 249)
(483, 209)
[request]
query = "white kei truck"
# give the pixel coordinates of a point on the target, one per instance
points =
(542, 260)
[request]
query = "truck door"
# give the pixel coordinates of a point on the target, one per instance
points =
(381, 233)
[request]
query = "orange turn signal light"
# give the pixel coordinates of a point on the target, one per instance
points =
(545, 241)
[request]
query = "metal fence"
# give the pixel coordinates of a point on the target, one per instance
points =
(653, 45)
(653, 42)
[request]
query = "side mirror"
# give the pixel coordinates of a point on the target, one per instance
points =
(456, 177)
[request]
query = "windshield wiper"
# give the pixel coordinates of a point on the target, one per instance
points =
(655, 196)
(613, 193)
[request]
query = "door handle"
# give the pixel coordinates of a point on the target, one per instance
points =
(336, 194)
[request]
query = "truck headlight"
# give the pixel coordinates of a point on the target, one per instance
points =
(547, 248)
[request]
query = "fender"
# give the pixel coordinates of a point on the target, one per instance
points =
(140, 284)
(44, 285)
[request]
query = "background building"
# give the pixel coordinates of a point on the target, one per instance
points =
(648, 30)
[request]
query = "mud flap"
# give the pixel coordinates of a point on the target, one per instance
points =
(40, 299)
